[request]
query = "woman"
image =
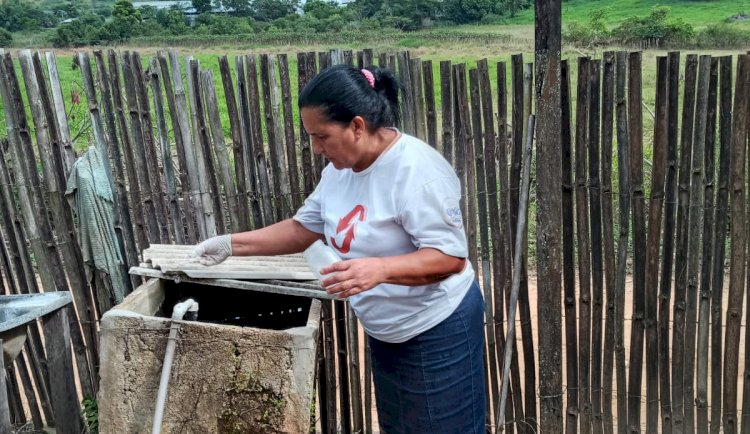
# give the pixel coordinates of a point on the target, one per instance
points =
(389, 205)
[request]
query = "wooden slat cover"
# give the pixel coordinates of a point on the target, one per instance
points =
(176, 259)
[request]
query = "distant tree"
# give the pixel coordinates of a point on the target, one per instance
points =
(102, 9)
(16, 15)
(409, 14)
(202, 6)
(79, 32)
(126, 22)
(269, 10)
(320, 8)
(468, 11)
(172, 20)
(124, 12)
(512, 7)
(6, 38)
(148, 13)
(319, 16)
(241, 8)
(368, 8)
(68, 9)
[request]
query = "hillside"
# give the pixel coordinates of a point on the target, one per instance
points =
(697, 13)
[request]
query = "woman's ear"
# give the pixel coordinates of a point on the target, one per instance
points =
(359, 126)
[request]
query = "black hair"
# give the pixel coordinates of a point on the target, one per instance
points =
(343, 92)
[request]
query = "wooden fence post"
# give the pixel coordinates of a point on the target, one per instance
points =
(306, 154)
(248, 169)
(149, 147)
(623, 163)
(738, 238)
(207, 173)
(683, 207)
(297, 196)
(279, 181)
(695, 238)
(139, 153)
(128, 150)
(670, 199)
(186, 186)
(429, 95)
(446, 96)
(407, 113)
(522, 105)
(68, 154)
(568, 254)
(238, 148)
(219, 154)
(417, 96)
(707, 252)
(62, 385)
(463, 138)
(720, 231)
(123, 221)
(257, 138)
(103, 293)
(652, 253)
(491, 377)
(584, 249)
(548, 195)
(178, 231)
(608, 91)
(635, 142)
(5, 425)
(597, 266)
(506, 234)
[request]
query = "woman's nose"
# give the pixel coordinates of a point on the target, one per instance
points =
(317, 149)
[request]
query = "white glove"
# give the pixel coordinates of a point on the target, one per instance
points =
(213, 250)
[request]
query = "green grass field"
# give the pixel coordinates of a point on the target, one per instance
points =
(71, 78)
(697, 13)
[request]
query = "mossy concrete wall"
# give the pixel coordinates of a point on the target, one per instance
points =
(224, 379)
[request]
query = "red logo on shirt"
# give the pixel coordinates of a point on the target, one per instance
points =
(346, 226)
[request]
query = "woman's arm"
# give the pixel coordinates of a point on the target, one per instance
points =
(285, 237)
(423, 267)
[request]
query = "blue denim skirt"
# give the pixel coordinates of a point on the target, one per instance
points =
(434, 382)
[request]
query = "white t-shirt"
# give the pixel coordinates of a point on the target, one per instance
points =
(406, 200)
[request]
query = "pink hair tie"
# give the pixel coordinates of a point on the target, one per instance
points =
(370, 78)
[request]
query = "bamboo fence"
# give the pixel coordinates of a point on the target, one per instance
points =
(618, 214)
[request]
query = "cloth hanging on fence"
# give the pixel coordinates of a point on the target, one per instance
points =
(90, 196)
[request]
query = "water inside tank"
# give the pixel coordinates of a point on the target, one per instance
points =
(238, 307)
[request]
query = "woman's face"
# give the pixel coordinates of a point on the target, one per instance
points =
(337, 142)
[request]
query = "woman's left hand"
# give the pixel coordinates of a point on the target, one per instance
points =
(354, 276)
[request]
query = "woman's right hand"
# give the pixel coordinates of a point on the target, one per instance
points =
(214, 250)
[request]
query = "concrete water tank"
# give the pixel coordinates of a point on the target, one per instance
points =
(246, 366)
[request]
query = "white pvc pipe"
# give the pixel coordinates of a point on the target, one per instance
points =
(178, 312)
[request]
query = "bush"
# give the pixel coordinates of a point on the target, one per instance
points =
(6, 38)
(224, 25)
(492, 19)
(77, 33)
(172, 21)
(593, 34)
(722, 36)
(654, 28)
